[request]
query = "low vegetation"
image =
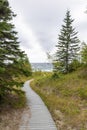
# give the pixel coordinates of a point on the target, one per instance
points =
(65, 97)
(12, 107)
(64, 94)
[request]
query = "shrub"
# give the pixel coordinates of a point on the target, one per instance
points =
(55, 75)
(75, 64)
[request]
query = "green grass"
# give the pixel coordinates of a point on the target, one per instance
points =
(67, 94)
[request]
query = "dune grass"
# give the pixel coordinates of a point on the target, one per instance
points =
(65, 97)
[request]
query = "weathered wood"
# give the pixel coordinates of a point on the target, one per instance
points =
(41, 118)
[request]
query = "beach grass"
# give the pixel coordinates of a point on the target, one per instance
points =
(65, 97)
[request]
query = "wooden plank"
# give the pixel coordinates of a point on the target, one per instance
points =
(41, 118)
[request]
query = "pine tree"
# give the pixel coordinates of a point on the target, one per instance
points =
(9, 45)
(84, 54)
(9, 50)
(67, 47)
(24, 66)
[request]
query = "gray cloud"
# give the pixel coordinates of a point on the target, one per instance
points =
(45, 18)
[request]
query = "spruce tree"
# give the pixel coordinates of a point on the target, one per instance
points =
(84, 54)
(67, 47)
(9, 50)
(24, 66)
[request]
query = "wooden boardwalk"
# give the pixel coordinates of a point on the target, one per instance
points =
(40, 117)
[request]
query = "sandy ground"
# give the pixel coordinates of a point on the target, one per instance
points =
(11, 119)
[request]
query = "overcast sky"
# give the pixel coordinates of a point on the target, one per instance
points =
(38, 23)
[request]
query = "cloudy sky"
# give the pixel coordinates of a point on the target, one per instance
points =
(38, 23)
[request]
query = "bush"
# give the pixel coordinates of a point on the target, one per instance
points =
(55, 75)
(75, 64)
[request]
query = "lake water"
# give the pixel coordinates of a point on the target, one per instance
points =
(42, 66)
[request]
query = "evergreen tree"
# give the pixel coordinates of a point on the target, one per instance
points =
(24, 66)
(9, 46)
(67, 47)
(84, 54)
(10, 52)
